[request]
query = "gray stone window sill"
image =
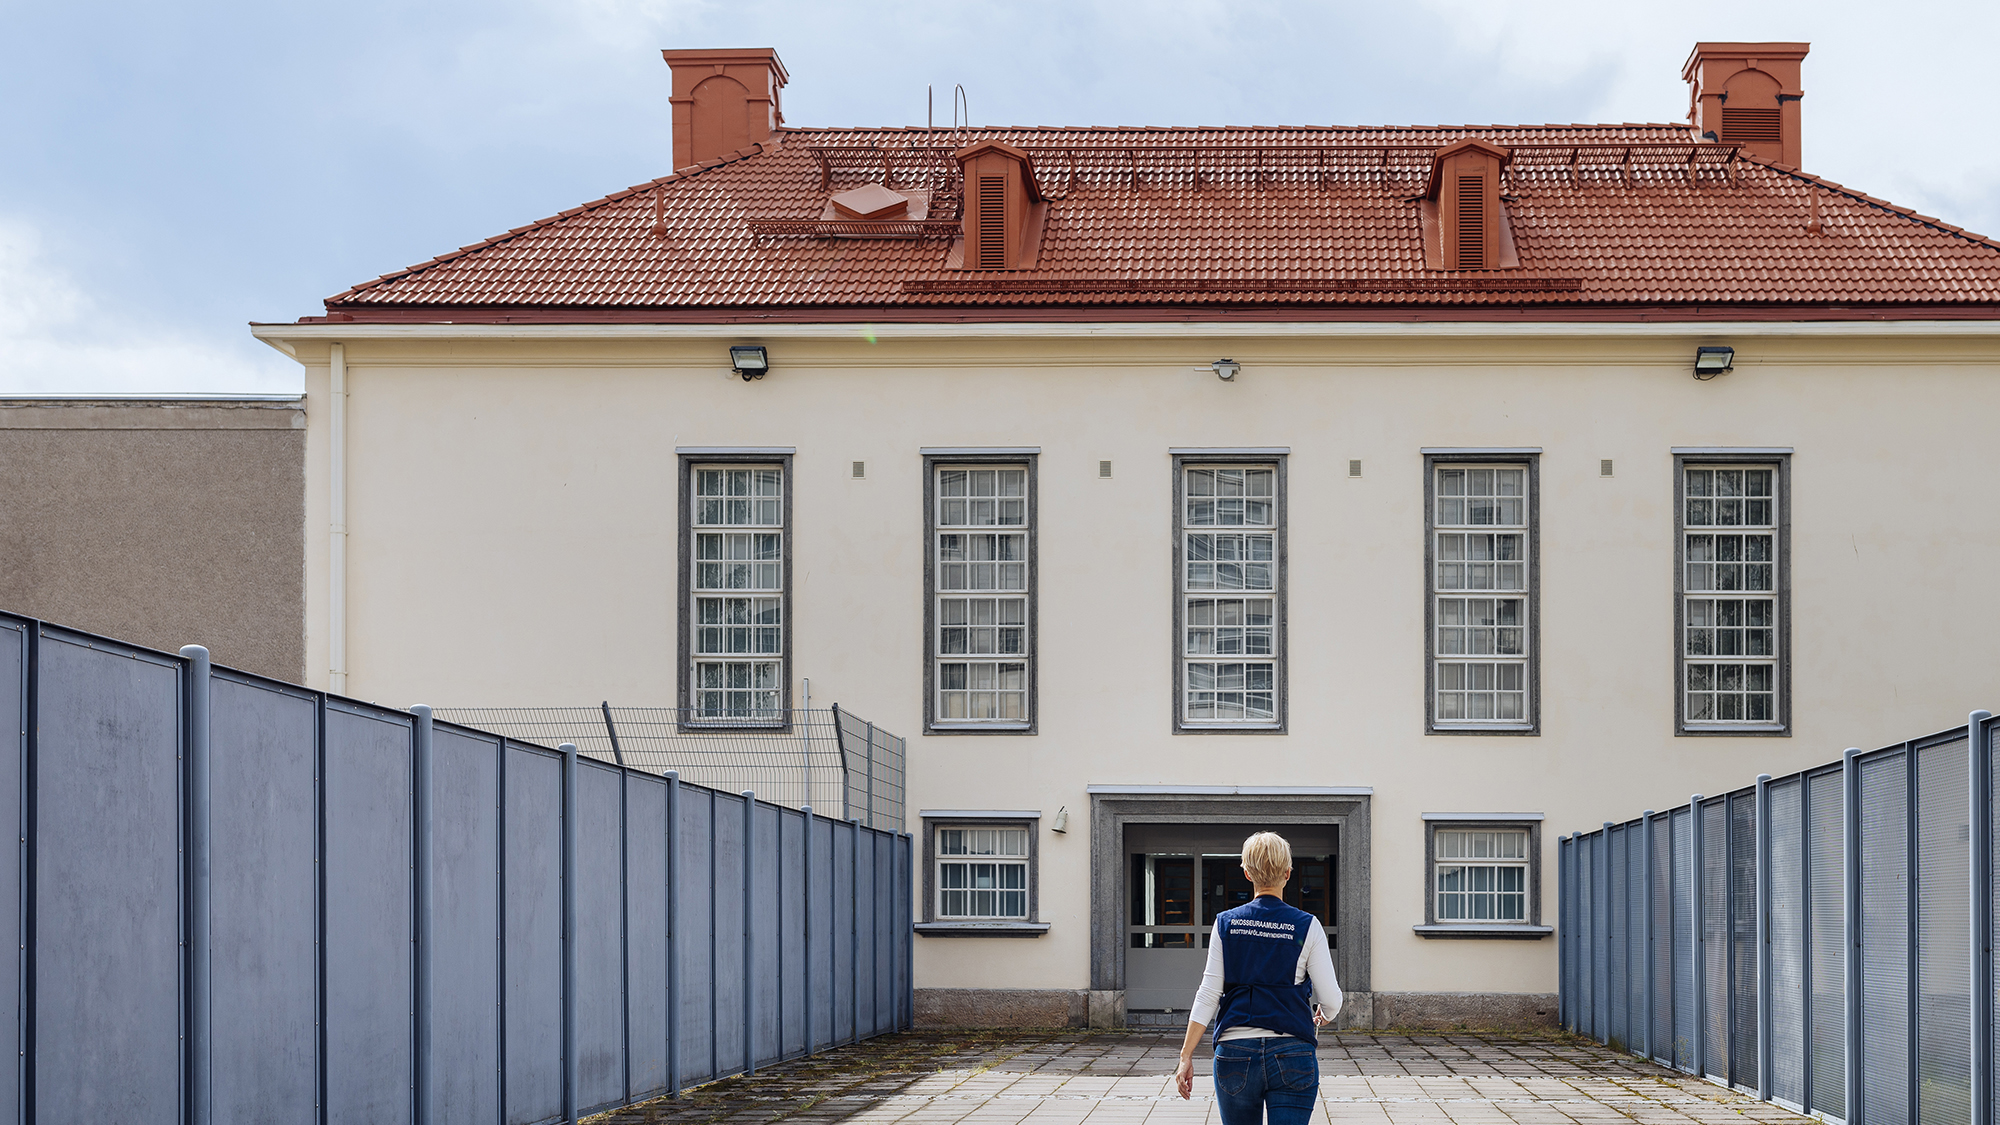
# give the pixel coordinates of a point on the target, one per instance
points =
(1515, 931)
(981, 929)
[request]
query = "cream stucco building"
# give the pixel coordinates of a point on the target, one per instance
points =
(1165, 484)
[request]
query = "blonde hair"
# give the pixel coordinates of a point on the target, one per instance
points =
(1267, 859)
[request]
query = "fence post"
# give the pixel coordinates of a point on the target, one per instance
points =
(840, 747)
(871, 776)
(1600, 929)
(201, 987)
(569, 931)
(854, 930)
(421, 861)
(673, 934)
(611, 731)
(1850, 833)
(1562, 933)
(906, 895)
(1700, 974)
(1648, 931)
(806, 888)
(1980, 758)
(749, 932)
(1762, 895)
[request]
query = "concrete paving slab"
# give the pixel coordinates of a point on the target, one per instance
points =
(1125, 1078)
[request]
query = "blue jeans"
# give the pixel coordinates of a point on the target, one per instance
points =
(1255, 1076)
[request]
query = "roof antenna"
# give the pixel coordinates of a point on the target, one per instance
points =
(958, 99)
(930, 110)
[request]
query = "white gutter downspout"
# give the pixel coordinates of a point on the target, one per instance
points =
(336, 586)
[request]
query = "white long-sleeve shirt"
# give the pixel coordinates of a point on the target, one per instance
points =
(1315, 961)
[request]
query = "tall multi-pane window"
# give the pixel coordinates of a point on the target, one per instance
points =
(1732, 590)
(736, 593)
(1482, 875)
(981, 577)
(1482, 596)
(1229, 621)
(982, 873)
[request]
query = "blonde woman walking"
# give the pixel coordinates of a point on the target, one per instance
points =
(1268, 986)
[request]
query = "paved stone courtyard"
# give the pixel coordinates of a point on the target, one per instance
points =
(1101, 1078)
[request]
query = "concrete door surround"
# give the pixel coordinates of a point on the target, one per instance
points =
(1112, 807)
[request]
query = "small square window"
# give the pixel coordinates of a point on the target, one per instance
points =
(980, 873)
(1483, 876)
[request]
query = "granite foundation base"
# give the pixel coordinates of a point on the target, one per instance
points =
(1011, 1007)
(1362, 1011)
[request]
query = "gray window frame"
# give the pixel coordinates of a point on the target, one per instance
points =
(1281, 554)
(1781, 461)
(1532, 929)
(684, 678)
(934, 819)
(1532, 460)
(932, 463)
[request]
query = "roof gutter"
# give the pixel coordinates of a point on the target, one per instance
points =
(284, 337)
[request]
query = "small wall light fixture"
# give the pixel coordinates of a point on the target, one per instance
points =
(1710, 362)
(749, 360)
(1225, 369)
(1062, 820)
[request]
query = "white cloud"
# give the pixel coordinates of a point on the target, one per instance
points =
(56, 337)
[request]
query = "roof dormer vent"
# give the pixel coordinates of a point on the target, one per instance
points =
(1004, 209)
(1747, 94)
(1465, 223)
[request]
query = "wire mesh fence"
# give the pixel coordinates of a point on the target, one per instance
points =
(824, 757)
(1823, 940)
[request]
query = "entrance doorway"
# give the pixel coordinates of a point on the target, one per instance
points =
(1179, 877)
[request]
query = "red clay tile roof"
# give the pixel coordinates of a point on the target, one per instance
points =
(1602, 215)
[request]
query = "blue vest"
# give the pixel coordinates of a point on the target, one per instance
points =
(1261, 942)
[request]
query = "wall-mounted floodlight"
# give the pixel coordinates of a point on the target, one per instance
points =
(749, 360)
(1225, 369)
(1710, 362)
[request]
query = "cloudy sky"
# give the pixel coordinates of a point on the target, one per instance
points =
(174, 171)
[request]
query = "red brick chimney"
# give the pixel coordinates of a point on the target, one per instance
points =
(723, 100)
(1747, 94)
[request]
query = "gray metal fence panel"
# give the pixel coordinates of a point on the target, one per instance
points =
(1990, 1081)
(598, 1039)
(369, 973)
(464, 927)
(731, 968)
(767, 923)
(866, 964)
(884, 949)
(842, 915)
(1885, 939)
(1685, 1031)
(792, 940)
(1615, 946)
(1660, 1038)
(264, 815)
(1586, 936)
(532, 953)
(13, 755)
(1633, 896)
(824, 956)
(1788, 941)
(1827, 944)
(1743, 939)
(646, 934)
(694, 934)
(1715, 938)
(1944, 934)
(107, 923)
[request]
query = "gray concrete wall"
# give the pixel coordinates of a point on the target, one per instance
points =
(162, 522)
